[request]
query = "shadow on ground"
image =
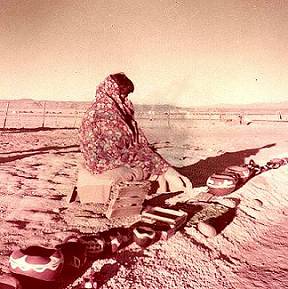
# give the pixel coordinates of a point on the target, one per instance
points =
(17, 155)
(199, 172)
(34, 129)
(214, 214)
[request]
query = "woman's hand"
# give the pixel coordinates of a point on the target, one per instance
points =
(173, 181)
(122, 174)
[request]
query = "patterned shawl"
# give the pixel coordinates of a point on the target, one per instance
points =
(110, 138)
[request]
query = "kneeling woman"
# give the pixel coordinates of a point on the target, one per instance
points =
(112, 144)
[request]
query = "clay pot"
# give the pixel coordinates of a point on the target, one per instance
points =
(143, 235)
(94, 244)
(74, 253)
(243, 173)
(37, 262)
(220, 184)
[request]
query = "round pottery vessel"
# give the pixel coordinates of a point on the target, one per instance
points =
(94, 244)
(37, 262)
(243, 173)
(143, 236)
(222, 184)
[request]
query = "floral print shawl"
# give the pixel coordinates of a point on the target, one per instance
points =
(110, 138)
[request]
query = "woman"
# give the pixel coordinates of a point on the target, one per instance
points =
(114, 146)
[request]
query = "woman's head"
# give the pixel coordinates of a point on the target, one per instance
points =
(125, 85)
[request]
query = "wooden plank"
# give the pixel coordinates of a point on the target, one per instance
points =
(171, 212)
(128, 211)
(127, 193)
(170, 216)
(72, 196)
(160, 218)
(131, 191)
(127, 198)
(126, 202)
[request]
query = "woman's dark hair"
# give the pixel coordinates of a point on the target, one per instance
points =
(123, 82)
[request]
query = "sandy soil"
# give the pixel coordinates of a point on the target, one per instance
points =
(39, 168)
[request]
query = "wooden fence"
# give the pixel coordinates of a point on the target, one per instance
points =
(71, 118)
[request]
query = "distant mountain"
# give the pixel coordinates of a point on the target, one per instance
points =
(253, 107)
(32, 105)
(18, 103)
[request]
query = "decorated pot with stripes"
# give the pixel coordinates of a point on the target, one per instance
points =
(95, 245)
(37, 262)
(74, 253)
(143, 235)
(243, 173)
(222, 183)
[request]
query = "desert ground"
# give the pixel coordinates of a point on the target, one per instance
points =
(39, 168)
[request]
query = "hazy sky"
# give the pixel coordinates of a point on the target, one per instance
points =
(184, 52)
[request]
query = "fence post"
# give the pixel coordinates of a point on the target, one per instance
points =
(6, 114)
(44, 112)
(168, 118)
(75, 119)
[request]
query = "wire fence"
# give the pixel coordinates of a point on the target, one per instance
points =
(71, 118)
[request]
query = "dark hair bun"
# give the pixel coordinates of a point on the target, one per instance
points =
(123, 81)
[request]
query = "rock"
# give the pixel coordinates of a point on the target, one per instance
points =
(230, 203)
(258, 203)
(206, 229)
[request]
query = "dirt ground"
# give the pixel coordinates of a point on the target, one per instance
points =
(39, 168)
